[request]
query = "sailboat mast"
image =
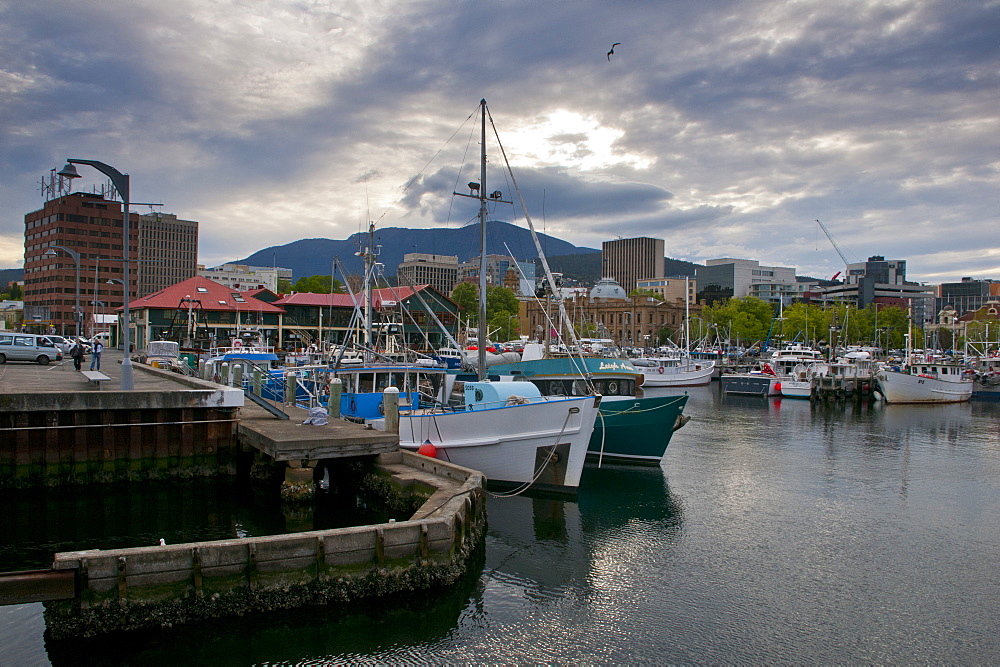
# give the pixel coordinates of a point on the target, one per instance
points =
(481, 373)
(687, 315)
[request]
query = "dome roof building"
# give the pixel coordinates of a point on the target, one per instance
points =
(608, 288)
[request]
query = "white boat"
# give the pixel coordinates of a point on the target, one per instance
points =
(510, 432)
(925, 382)
(506, 430)
(674, 371)
(799, 383)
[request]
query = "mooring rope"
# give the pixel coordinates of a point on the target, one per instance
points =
(538, 473)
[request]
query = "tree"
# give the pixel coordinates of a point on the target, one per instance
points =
(284, 286)
(746, 318)
(15, 293)
(316, 285)
(467, 297)
(501, 305)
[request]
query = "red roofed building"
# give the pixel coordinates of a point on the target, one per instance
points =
(200, 312)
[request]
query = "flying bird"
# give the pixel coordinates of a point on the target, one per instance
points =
(612, 50)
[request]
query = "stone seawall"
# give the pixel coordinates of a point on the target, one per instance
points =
(127, 589)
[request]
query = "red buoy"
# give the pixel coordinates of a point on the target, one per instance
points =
(428, 449)
(777, 387)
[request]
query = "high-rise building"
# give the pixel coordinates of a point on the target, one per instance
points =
(91, 227)
(439, 271)
(631, 260)
(168, 251)
(73, 248)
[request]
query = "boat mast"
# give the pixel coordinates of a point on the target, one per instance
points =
(481, 372)
(687, 316)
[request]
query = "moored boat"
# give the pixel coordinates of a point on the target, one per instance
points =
(674, 371)
(925, 382)
(631, 428)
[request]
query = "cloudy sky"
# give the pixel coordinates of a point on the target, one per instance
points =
(724, 127)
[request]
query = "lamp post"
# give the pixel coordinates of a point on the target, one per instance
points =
(509, 318)
(121, 183)
(76, 258)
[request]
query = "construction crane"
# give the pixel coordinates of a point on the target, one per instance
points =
(833, 243)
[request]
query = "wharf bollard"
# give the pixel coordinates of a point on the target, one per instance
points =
(390, 403)
(237, 375)
(201, 369)
(289, 387)
(257, 381)
(224, 372)
(333, 405)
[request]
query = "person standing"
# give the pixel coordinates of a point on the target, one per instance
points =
(95, 355)
(77, 354)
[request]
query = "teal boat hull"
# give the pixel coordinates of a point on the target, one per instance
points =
(636, 430)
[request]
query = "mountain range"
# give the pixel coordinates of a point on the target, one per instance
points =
(309, 257)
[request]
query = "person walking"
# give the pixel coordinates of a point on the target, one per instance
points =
(95, 355)
(77, 354)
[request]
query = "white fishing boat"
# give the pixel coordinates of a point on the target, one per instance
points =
(507, 430)
(674, 371)
(925, 382)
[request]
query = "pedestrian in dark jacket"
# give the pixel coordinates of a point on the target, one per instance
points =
(77, 354)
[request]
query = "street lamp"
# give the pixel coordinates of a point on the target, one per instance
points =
(121, 183)
(76, 258)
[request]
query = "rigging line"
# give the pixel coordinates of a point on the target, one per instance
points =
(419, 173)
(465, 158)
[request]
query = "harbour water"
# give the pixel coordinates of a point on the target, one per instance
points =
(775, 531)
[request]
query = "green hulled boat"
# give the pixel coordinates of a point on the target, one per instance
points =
(630, 429)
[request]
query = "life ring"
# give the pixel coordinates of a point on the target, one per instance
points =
(613, 388)
(237, 343)
(660, 370)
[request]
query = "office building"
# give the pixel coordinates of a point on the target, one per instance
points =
(91, 226)
(168, 251)
(968, 295)
(439, 271)
(631, 260)
(721, 279)
(244, 277)
(497, 267)
(671, 289)
(882, 281)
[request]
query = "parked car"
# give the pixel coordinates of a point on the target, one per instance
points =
(28, 347)
(64, 344)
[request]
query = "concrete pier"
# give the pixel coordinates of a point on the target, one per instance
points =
(160, 586)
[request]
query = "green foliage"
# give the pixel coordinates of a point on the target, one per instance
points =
(743, 318)
(284, 286)
(466, 295)
(501, 306)
(317, 285)
(645, 292)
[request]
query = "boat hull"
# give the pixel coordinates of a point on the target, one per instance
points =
(542, 444)
(696, 375)
(750, 384)
(900, 387)
(796, 389)
(636, 430)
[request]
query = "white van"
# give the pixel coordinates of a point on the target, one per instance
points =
(28, 347)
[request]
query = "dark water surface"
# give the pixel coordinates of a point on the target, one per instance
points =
(776, 531)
